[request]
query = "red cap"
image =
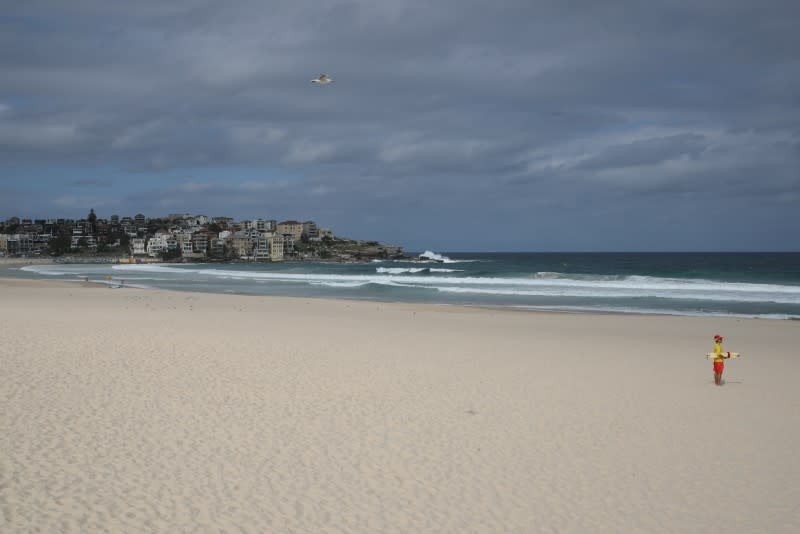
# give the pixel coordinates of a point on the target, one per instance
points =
(718, 337)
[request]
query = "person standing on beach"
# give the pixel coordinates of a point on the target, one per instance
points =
(719, 360)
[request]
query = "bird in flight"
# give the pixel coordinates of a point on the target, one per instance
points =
(322, 79)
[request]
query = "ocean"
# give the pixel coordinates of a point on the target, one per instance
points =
(763, 285)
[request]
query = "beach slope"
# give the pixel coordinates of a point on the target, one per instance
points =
(127, 410)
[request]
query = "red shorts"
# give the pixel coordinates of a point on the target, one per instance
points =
(719, 367)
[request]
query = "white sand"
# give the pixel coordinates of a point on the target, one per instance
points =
(128, 410)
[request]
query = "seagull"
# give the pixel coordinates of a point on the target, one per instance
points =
(322, 79)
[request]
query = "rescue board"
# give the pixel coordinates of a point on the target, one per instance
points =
(725, 354)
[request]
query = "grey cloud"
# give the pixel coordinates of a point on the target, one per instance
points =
(646, 152)
(90, 182)
(436, 106)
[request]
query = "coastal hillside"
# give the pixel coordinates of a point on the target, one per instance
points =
(343, 249)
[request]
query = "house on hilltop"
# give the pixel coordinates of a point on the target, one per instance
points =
(292, 228)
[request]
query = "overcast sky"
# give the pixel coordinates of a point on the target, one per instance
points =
(451, 125)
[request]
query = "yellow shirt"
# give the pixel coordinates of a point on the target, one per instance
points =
(718, 352)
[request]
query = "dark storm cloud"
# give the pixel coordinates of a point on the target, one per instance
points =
(454, 112)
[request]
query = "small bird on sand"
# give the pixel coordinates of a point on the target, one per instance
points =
(322, 79)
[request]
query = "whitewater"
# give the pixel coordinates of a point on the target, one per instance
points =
(742, 284)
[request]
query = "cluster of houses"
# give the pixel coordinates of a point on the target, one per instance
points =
(177, 235)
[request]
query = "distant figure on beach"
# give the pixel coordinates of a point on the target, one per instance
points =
(719, 359)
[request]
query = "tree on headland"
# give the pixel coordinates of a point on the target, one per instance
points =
(156, 224)
(91, 219)
(124, 241)
(167, 255)
(59, 245)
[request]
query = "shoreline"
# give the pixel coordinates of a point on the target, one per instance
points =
(489, 307)
(6, 261)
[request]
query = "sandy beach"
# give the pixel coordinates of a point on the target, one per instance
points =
(127, 410)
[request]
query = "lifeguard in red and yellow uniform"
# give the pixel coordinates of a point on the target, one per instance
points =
(719, 359)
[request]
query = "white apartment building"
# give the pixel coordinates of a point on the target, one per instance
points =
(217, 248)
(200, 240)
(138, 246)
(268, 225)
(276, 248)
(261, 249)
(78, 237)
(156, 245)
(311, 231)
